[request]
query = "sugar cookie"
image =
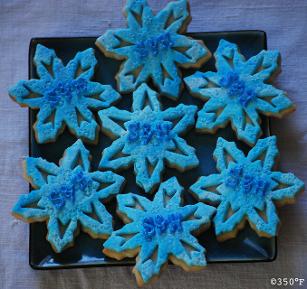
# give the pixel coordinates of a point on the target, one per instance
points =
(64, 95)
(154, 47)
(247, 188)
(238, 92)
(159, 230)
(148, 137)
(68, 196)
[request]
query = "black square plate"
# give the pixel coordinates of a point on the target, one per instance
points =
(88, 252)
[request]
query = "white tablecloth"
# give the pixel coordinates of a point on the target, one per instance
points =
(285, 23)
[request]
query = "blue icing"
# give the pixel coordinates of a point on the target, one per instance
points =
(162, 225)
(228, 79)
(149, 230)
(58, 196)
(175, 223)
(154, 47)
(81, 181)
(234, 177)
(246, 185)
(148, 137)
(247, 181)
(63, 93)
(145, 131)
(238, 92)
(69, 195)
(77, 181)
(237, 88)
(262, 186)
(57, 199)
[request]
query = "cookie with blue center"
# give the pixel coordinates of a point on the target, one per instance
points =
(148, 138)
(154, 46)
(247, 188)
(64, 95)
(239, 91)
(68, 196)
(159, 230)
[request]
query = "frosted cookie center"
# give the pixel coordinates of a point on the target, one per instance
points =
(237, 88)
(246, 181)
(160, 225)
(144, 132)
(76, 186)
(154, 45)
(62, 91)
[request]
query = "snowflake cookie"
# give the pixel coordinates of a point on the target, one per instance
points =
(64, 95)
(153, 46)
(147, 137)
(247, 188)
(68, 195)
(238, 92)
(159, 230)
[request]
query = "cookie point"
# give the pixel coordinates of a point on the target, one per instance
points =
(221, 140)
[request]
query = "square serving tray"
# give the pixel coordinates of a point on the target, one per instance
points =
(247, 247)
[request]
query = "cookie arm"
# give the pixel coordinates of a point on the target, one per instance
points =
(110, 158)
(29, 93)
(184, 114)
(183, 157)
(286, 187)
(100, 96)
(264, 66)
(227, 227)
(148, 174)
(111, 119)
(25, 210)
(37, 170)
(82, 65)
(76, 155)
(206, 188)
(272, 101)
(225, 153)
(265, 151)
(264, 228)
(109, 182)
(100, 227)
(60, 241)
(179, 14)
(48, 125)
(188, 254)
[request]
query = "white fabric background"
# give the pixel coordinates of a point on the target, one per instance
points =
(285, 23)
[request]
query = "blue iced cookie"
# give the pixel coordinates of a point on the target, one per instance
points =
(154, 47)
(64, 95)
(147, 137)
(239, 92)
(159, 230)
(247, 188)
(68, 196)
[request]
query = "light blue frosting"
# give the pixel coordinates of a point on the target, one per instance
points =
(238, 92)
(153, 47)
(247, 185)
(161, 226)
(67, 196)
(147, 137)
(64, 95)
